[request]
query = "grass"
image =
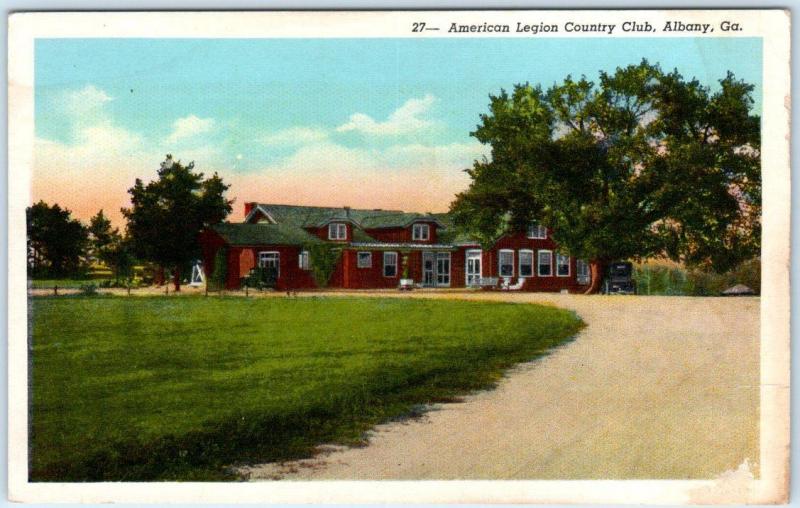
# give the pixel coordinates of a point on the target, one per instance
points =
(158, 388)
(64, 283)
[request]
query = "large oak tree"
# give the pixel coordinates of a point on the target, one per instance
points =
(168, 213)
(644, 163)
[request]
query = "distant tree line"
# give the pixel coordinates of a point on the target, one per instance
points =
(162, 227)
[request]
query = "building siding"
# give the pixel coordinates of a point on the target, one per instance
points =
(347, 274)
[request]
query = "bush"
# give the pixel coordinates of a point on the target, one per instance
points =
(665, 280)
(220, 272)
(88, 290)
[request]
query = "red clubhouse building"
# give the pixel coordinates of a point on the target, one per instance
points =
(381, 247)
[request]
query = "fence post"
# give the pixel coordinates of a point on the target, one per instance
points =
(55, 290)
(246, 289)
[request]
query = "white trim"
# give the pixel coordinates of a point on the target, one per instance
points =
(472, 253)
(277, 258)
(336, 236)
(539, 235)
(358, 260)
(258, 208)
(304, 254)
(449, 257)
(396, 264)
(539, 263)
(422, 227)
(398, 245)
(580, 277)
(569, 268)
(499, 262)
(519, 262)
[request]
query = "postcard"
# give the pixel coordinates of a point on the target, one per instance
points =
(399, 256)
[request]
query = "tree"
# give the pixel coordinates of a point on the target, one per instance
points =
(643, 164)
(56, 241)
(168, 214)
(102, 237)
(109, 247)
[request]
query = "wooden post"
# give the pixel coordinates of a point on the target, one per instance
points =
(55, 290)
(246, 289)
(129, 289)
(166, 286)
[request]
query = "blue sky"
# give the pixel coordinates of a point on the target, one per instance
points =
(269, 108)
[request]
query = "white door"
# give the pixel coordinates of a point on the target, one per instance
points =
(443, 269)
(473, 267)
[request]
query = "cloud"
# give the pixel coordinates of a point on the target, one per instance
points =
(188, 127)
(411, 177)
(294, 137)
(100, 159)
(88, 100)
(407, 119)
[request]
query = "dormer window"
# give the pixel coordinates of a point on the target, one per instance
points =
(537, 232)
(337, 231)
(421, 232)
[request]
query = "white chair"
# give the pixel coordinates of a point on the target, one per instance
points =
(507, 286)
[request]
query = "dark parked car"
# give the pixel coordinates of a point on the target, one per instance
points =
(619, 279)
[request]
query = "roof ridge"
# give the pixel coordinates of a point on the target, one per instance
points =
(341, 208)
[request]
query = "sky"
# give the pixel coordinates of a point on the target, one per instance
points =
(331, 122)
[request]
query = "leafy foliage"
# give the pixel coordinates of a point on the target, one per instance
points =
(655, 279)
(643, 163)
(323, 258)
(220, 270)
(110, 247)
(56, 241)
(168, 214)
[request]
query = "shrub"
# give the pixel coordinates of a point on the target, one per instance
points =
(220, 272)
(654, 279)
(88, 290)
(323, 258)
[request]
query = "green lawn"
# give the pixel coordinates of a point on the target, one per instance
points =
(160, 388)
(64, 283)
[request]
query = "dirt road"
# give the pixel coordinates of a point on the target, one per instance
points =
(653, 388)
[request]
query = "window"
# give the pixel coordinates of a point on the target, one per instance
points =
(270, 259)
(506, 263)
(526, 263)
(390, 264)
(421, 232)
(337, 231)
(364, 260)
(584, 275)
(562, 265)
(537, 232)
(303, 260)
(545, 263)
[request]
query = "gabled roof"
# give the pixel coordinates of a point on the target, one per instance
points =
(318, 216)
(264, 234)
(398, 220)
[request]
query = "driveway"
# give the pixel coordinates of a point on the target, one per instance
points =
(652, 388)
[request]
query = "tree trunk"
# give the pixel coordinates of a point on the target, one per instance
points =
(176, 279)
(597, 269)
